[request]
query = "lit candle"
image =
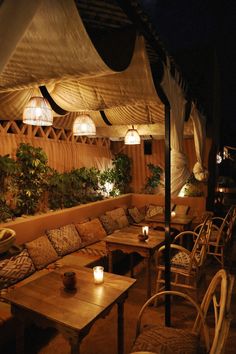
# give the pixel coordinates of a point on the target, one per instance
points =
(173, 213)
(98, 274)
(145, 230)
(220, 190)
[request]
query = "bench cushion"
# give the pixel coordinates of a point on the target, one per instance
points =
(15, 268)
(91, 231)
(41, 252)
(65, 239)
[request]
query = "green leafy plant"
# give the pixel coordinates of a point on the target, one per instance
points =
(154, 180)
(72, 188)
(31, 178)
(122, 172)
(8, 169)
(193, 187)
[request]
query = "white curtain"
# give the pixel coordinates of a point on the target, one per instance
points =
(179, 168)
(199, 129)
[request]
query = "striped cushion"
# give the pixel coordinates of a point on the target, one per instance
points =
(65, 239)
(166, 340)
(15, 268)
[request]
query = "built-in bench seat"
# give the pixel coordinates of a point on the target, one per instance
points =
(30, 229)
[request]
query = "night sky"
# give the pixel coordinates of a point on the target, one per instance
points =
(200, 35)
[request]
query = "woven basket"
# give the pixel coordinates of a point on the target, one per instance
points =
(6, 243)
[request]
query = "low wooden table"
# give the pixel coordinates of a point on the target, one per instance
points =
(179, 222)
(45, 302)
(128, 242)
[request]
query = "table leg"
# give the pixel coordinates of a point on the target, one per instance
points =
(120, 328)
(110, 266)
(131, 264)
(75, 345)
(20, 333)
(148, 262)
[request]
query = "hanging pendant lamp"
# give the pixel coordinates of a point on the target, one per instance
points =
(38, 112)
(132, 137)
(84, 125)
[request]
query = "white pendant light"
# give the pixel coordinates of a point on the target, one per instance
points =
(38, 112)
(84, 125)
(132, 137)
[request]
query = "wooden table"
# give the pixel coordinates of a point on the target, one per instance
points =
(179, 222)
(127, 241)
(45, 302)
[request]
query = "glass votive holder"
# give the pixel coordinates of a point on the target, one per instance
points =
(69, 280)
(98, 274)
(145, 230)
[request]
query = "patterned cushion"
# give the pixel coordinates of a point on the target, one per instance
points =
(119, 216)
(108, 223)
(41, 252)
(15, 268)
(154, 210)
(91, 231)
(65, 239)
(180, 260)
(166, 340)
(136, 215)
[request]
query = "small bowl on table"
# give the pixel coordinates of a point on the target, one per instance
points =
(142, 237)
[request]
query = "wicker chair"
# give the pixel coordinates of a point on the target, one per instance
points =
(221, 236)
(216, 303)
(186, 265)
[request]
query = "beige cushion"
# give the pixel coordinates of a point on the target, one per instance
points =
(65, 239)
(41, 252)
(166, 340)
(154, 210)
(15, 268)
(119, 216)
(108, 223)
(91, 231)
(181, 209)
(136, 215)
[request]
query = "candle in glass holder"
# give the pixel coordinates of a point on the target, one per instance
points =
(145, 230)
(173, 213)
(98, 274)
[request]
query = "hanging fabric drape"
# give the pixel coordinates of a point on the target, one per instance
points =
(107, 91)
(199, 129)
(179, 163)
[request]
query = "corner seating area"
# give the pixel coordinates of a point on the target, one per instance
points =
(71, 236)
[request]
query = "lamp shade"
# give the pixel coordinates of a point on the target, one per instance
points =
(132, 137)
(38, 112)
(84, 125)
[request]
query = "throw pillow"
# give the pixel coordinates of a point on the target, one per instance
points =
(65, 239)
(15, 269)
(119, 216)
(108, 223)
(41, 252)
(136, 215)
(181, 209)
(154, 210)
(91, 231)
